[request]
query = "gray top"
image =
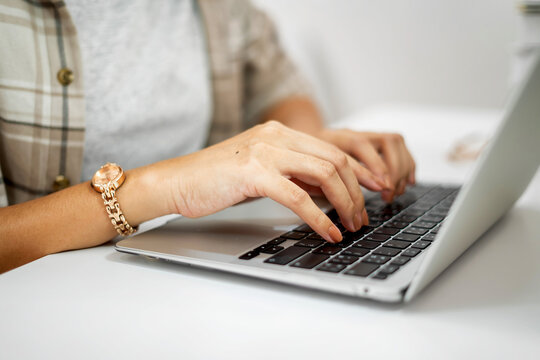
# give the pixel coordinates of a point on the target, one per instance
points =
(146, 79)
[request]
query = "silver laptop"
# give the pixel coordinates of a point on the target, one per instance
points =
(407, 245)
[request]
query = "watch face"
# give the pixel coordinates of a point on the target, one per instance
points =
(108, 173)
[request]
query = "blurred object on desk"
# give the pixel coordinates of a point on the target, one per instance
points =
(468, 148)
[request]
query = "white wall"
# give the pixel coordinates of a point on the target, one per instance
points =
(360, 53)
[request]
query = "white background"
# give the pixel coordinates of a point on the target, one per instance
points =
(361, 53)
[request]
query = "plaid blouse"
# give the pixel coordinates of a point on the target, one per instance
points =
(42, 121)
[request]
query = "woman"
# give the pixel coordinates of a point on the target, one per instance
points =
(161, 80)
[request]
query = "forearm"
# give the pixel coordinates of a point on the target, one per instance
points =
(299, 113)
(73, 218)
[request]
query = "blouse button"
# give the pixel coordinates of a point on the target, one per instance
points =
(65, 76)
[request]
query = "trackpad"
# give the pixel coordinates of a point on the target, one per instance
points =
(187, 237)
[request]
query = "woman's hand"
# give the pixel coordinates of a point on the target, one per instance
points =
(270, 160)
(385, 155)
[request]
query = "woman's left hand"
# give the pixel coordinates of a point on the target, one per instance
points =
(384, 154)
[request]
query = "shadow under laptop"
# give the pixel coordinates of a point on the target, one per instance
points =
(502, 269)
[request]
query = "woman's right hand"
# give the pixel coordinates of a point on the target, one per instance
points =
(269, 160)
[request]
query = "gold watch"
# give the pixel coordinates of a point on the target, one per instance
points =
(106, 181)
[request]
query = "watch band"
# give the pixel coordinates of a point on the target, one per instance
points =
(112, 207)
(106, 181)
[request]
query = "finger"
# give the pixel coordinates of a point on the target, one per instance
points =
(365, 177)
(393, 158)
(311, 190)
(309, 145)
(366, 152)
(285, 192)
(401, 186)
(317, 172)
(388, 195)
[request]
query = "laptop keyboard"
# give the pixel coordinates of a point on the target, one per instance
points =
(397, 233)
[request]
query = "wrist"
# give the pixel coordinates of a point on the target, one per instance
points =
(141, 196)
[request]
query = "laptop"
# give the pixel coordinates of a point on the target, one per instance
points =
(407, 244)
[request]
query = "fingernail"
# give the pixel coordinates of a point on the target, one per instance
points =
(365, 217)
(358, 221)
(334, 233)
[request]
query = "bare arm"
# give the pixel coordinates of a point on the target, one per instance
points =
(73, 218)
(265, 161)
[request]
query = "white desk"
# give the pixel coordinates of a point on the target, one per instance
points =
(98, 304)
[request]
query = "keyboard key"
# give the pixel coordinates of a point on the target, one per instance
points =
(362, 269)
(398, 224)
(433, 218)
(293, 235)
(262, 247)
(249, 255)
(429, 237)
(345, 243)
(406, 218)
(355, 252)
(344, 259)
(287, 255)
(376, 237)
(415, 230)
(398, 244)
(374, 223)
(421, 244)
(330, 267)
(315, 236)
(439, 212)
(376, 259)
(386, 251)
(275, 241)
(366, 244)
(304, 228)
(309, 261)
(380, 276)
(386, 231)
(352, 236)
(425, 224)
(389, 269)
(413, 212)
(310, 243)
(435, 230)
(407, 237)
(328, 249)
(402, 260)
(411, 252)
(272, 249)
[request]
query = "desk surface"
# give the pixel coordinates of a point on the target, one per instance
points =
(97, 303)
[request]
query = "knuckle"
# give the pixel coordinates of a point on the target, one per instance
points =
(270, 128)
(327, 170)
(298, 196)
(340, 159)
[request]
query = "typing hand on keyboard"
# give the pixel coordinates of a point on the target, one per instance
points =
(384, 154)
(272, 160)
(397, 233)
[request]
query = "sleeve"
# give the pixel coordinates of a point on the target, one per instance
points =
(269, 74)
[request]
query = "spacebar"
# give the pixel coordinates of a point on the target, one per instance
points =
(286, 256)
